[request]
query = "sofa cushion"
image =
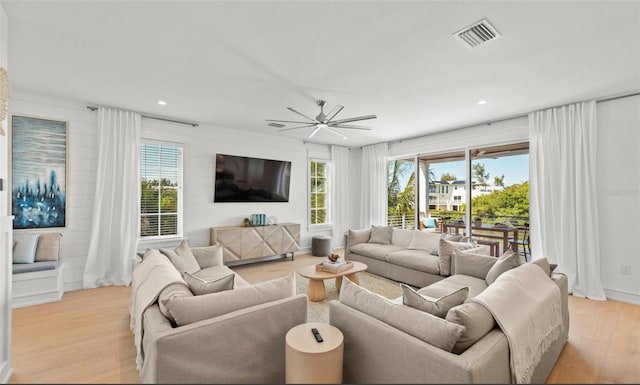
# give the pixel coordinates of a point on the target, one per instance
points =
(477, 321)
(208, 256)
(436, 306)
(201, 286)
(427, 327)
(48, 248)
(374, 250)
(452, 283)
(470, 263)
(422, 240)
(507, 261)
(415, 259)
(25, 248)
(402, 237)
(447, 248)
(186, 310)
(182, 258)
(381, 234)
(171, 291)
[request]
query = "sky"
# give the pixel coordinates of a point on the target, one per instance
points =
(515, 168)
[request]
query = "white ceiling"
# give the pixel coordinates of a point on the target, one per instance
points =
(235, 63)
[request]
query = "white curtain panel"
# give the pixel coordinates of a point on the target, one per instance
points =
(114, 230)
(340, 193)
(563, 196)
(373, 205)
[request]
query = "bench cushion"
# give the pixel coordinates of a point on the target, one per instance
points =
(36, 266)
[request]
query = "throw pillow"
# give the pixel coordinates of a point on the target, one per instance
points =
(552, 267)
(447, 248)
(182, 258)
(381, 234)
(424, 326)
(48, 248)
(438, 307)
(200, 286)
(435, 250)
(25, 249)
(477, 321)
(470, 263)
(208, 256)
(171, 291)
(507, 261)
(186, 310)
(543, 263)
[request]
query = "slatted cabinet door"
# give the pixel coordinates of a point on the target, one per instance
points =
(252, 242)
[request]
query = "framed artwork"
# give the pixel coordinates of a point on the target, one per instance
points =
(39, 172)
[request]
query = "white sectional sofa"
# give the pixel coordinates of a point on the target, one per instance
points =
(393, 341)
(409, 256)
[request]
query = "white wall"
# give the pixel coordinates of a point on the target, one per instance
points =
(200, 146)
(619, 196)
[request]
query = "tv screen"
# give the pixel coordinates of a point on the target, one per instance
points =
(244, 179)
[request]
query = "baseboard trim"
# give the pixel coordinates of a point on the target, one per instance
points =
(622, 296)
(73, 285)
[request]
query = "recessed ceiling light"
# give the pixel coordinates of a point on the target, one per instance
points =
(162, 102)
(482, 102)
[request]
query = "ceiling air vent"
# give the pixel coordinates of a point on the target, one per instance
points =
(477, 34)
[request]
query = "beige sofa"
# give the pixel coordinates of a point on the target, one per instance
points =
(386, 340)
(409, 256)
(228, 332)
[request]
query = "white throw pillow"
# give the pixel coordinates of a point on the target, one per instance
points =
(208, 256)
(200, 286)
(182, 258)
(381, 234)
(507, 261)
(449, 237)
(25, 248)
(436, 306)
(447, 248)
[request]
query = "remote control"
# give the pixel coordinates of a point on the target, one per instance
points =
(316, 334)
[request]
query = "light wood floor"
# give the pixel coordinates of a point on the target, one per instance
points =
(85, 338)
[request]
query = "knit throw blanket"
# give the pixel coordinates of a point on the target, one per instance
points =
(153, 274)
(526, 304)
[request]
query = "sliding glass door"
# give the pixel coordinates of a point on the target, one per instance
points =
(473, 190)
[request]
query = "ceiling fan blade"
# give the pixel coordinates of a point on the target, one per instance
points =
(331, 130)
(276, 125)
(315, 131)
(350, 126)
(365, 117)
(293, 128)
(286, 121)
(334, 112)
(301, 114)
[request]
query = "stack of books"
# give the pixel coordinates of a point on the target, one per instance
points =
(334, 267)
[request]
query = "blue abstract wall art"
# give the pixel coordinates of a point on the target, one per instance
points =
(39, 172)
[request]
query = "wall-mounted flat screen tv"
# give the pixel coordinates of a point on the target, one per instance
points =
(245, 179)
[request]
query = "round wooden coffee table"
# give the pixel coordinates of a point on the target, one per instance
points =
(316, 290)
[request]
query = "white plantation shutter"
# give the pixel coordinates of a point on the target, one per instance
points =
(161, 190)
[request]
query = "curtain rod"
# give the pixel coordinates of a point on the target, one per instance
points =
(94, 108)
(597, 100)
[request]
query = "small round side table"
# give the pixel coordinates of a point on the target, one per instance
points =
(312, 362)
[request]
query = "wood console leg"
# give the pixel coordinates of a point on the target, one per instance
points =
(338, 282)
(316, 290)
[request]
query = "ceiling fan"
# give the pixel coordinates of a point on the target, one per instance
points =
(322, 121)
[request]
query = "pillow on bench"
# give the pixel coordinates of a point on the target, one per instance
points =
(24, 249)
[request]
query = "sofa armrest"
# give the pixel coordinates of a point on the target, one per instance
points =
(244, 346)
(375, 352)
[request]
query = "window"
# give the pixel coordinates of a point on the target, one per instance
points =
(319, 189)
(160, 190)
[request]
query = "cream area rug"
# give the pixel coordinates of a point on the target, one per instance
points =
(319, 311)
